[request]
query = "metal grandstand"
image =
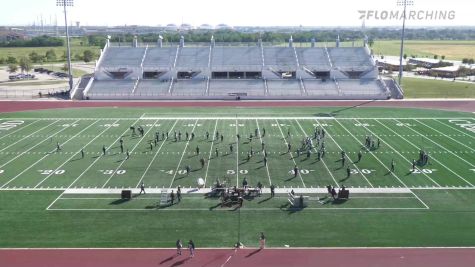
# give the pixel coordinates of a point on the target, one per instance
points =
(227, 72)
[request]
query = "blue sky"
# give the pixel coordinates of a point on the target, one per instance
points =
(238, 13)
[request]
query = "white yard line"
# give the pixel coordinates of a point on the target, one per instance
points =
(29, 135)
(108, 198)
(437, 144)
(24, 152)
(267, 165)
(397, 152)
(64, 163)
(19, 129)
(224, 210)
(302, 190)
(270, 117)
(346, 154)
(291, 156)
(409, 142)
(98, 158)
(54, 201)
(123, 161)
(453, 128)
(372, 154)
(420, 200)
(45, 156)
(237, 155)
(182, 155)
(156, 154)
(211, 150)
(322, 159)
(445, 135)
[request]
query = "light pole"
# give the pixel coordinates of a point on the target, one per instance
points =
(404, 3)
(64, 4)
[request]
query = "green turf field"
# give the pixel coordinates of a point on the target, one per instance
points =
(56, 198)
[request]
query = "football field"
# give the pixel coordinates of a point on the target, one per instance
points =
(68, 171)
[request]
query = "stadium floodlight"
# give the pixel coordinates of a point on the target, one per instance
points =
(403, 3)
(64, 4)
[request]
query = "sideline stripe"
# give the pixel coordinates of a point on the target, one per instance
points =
(267, 248)
(185, 117)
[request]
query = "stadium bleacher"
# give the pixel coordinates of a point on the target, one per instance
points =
(250, 72)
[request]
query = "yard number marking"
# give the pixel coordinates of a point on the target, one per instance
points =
(231, 172)
(426, 171)
(70, 125)
(49, 172)
(363, 171)
(7, 125)
(110, 172)
(302, 171)
(363, 125)
(400, 124)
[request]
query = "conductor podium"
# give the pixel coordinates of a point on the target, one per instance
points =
(344, 194)
(126, 194)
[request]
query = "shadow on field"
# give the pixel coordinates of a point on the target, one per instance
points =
(264, 200)
(167, 259)
(178, 263)
(253, 253)
(119, 201)
(335, 112)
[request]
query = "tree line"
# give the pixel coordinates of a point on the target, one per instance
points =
(39, 41)
(327, 35)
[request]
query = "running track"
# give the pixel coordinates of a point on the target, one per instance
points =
(453, 105)
(369, 257)
(391, 257)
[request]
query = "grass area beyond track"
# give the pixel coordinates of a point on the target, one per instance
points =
(58, 198)
(432, 88)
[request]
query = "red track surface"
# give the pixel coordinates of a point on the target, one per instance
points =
(462, 257)
(443, 257)
(459, 105)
